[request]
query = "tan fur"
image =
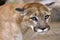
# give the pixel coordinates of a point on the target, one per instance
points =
(10, 20)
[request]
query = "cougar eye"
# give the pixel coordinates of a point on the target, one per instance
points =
(34, 18)
(47, 16)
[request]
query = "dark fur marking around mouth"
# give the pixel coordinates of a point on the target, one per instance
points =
(35, 29)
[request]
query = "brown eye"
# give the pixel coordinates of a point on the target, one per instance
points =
(47, 16)
(34, 18)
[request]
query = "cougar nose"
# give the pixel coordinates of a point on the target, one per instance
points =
(43, 28)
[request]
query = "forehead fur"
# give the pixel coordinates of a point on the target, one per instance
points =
(36, 6)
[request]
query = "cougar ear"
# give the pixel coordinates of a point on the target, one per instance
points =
(19, 9)
(50, 4)
(47, 2)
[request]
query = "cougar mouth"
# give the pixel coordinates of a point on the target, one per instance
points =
(41, 30)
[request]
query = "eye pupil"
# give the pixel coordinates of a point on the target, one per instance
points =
(46, 16)
(34, 18)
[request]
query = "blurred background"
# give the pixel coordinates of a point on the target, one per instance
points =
(54, 33)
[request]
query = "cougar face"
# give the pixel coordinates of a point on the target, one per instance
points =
(36, 16)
